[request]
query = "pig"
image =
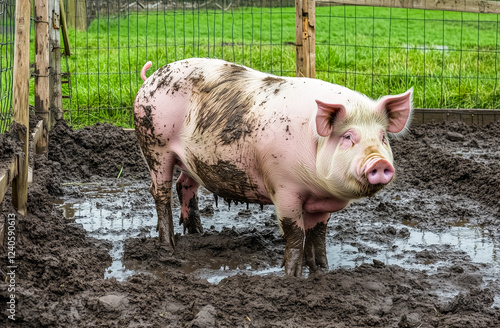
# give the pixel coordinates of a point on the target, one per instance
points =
(307, 146)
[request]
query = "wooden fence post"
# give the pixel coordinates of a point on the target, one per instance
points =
(42, 67)
(77, 14)
(20, 94)
(305, 22)
(55, 101)
(64, 24)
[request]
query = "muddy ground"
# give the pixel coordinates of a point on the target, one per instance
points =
(448, 178)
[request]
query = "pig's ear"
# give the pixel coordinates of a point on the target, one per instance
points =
(326, 116)
(398, 109)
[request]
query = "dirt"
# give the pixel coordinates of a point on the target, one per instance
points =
(9, 146)
(448, 177)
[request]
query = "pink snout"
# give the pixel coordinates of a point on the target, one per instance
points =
(379, 172)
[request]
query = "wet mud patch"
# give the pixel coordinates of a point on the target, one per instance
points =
(122, 213)
(212, 255)
(95, 152)
(407, 232)
(437, 163)
(397, 259)
(466, 141)
(10, 145)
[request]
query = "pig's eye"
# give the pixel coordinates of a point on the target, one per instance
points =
(348, 137)
(347, 140)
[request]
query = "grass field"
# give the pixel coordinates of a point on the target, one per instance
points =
(449, 58)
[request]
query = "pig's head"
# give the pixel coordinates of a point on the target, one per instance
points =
(354, 158)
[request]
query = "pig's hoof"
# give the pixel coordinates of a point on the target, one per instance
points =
(315, 248)
(316, 260)
(193, 223)
(317, 269)
(166, 239)
(293, 262)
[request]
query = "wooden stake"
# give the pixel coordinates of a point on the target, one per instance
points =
(55, 100)
(42, 65)
(305, 36)
(64, 24)
(20, 92)
(77, 14)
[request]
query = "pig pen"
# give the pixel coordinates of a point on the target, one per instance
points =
(424, 252)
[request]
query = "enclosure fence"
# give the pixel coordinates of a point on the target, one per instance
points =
(449, 57)
(447, 51)
(6, 62)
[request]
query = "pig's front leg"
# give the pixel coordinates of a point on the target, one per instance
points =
(291, 221)
(294, 248)
(315, 243)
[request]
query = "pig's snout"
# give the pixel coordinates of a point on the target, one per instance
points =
(379, 171)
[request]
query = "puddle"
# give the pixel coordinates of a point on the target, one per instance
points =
(105, 212)
(116, 211)
(419, 249)
(487, 156)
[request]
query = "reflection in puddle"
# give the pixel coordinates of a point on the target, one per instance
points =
(104, 211)
(464, 241)
(118, 211)
(215, 276)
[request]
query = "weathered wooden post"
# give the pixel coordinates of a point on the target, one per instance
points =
(20, 95)
(42, 67)
(55, 100)
(305, 22)
(77, 14)
(64, 24)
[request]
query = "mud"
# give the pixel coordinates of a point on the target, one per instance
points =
(421, 253)
(10, 145)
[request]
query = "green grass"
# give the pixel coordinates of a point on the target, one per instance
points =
(449, 58)
(6, 73)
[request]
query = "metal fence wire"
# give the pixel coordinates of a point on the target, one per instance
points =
(7, 17)
(111, 41)
(449, 58)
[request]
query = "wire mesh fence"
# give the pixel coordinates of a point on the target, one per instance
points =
(449, 58)
(116, 40)
(7, 16)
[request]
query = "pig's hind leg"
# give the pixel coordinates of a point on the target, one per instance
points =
(187, 191)
(161, 189)
(161, 161)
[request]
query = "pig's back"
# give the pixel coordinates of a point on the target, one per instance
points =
(240, 120)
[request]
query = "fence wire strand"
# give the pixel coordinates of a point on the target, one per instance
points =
(449, 58)
(7, 17)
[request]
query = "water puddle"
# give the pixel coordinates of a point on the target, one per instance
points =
(487, 156)
(419, 249)
(116, 211)
(109, 211)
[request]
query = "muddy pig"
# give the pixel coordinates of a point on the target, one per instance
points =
(307, 146)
